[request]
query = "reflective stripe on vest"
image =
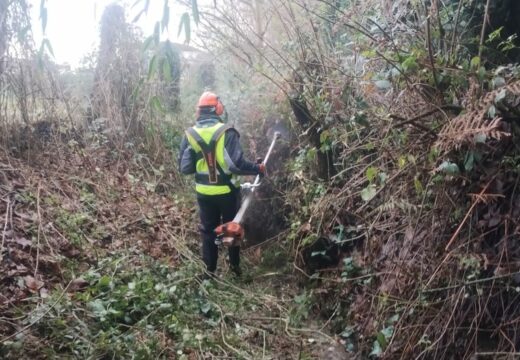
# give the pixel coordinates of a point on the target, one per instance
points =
(212, 173)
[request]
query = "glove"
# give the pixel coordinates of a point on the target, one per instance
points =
(261, 170)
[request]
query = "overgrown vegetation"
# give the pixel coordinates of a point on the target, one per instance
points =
(387, 227)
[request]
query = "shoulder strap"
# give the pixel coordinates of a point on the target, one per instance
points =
(217, 135)
(208, 151)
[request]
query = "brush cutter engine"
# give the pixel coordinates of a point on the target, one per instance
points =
(229, 234)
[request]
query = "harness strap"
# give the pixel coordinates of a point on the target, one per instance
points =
(208, 151)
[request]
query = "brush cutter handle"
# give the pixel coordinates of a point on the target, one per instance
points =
(258, 178)
(247, 200)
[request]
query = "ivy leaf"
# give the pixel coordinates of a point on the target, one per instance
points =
(324, 136)
(410, 64)
(480, 138)
(500, 96)
(376, 349)
(492, 111)
(104, 281)
(381, 339)
(469, 161)
(449, 168)
(475, 63)
(368, 193)
(205, 308)
(371, 173)
(383, 84)
(498, 82)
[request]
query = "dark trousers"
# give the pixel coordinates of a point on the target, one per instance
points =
(216, 210)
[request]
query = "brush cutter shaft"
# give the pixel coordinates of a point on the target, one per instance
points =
(247, 200)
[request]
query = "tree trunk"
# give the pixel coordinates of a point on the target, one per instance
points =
(325, 159)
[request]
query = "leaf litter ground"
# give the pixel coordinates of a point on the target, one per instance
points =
(99, 261)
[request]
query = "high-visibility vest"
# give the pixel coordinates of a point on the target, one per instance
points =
(212, 176)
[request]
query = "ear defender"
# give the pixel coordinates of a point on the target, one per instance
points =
(219, 108)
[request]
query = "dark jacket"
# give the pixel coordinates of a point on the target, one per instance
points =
(233, 153)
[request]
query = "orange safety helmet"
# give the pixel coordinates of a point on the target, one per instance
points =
(211, 100)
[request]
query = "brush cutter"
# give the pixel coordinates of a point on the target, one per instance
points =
(232, 233)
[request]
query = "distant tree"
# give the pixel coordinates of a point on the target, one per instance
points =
(118, 68)
(169, 65)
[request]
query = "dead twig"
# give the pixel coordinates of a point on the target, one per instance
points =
(7, 209)
(468, 213)
(39, 229)
(483, 33)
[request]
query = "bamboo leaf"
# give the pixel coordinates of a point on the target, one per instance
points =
(157, 33)
(166, 16)
(48, 45)
(144, 10)
(43, 17)
(195, 11)
(147, 43)
(185, 24)
(152, 67)
(137, 90)
(156, 104)
(138, 16)
(167, 71)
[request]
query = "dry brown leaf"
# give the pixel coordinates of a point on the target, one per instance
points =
(44, 293)
(33, 284)
(78, 285)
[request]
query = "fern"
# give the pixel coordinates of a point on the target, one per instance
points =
(465, 128)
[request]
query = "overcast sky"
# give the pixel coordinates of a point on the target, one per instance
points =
(73, 25)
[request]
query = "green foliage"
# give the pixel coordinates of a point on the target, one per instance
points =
(448, 168)
(301, 311)
(122, 305)
(350, 268)
(383, 337)
(371, 173)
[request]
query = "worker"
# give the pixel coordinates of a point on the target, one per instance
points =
(211, 150)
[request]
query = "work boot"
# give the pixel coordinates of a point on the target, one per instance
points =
(235, 269)
(206, 275)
